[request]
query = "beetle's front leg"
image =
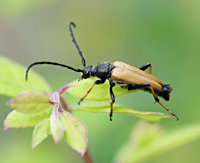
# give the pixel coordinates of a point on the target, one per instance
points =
(112, 96)
(96, 82)
(145, 66)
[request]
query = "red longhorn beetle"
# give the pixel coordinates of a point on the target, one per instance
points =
(120, 74)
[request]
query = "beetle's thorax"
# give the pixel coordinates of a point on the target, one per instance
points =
(102, 71)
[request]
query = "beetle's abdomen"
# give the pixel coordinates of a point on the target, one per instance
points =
(124, 73)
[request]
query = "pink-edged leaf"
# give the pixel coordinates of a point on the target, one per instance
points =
(40, 132)
(75, 132)
(19, 120)
(56, 127)
(30, 103)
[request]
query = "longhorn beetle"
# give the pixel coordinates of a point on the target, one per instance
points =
(120, 74)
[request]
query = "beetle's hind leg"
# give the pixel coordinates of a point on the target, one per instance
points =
(96, 82)
(112, 96)
(158, 101)
(145, 85)
(145, 66)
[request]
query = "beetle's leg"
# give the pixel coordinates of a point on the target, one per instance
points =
(144, 85)
(134, 87)
(158, 101)
(96, 82)
(145, 66)
(112, 96)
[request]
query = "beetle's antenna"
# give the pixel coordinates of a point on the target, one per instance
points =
(74, 41)
(50, 63)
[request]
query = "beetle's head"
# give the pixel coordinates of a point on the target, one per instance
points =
(87, 72)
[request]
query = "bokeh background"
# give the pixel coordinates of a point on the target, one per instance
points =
(164, 33)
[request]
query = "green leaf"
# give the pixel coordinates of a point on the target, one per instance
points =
(40, 132)
(104, 107)
(148, 141)
(30, 103)
(98, 93)
(75, 132)
(12, 79)
(19, 120)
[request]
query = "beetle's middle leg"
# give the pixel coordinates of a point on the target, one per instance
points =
(96, 82)
(112, 96)
(145, 66)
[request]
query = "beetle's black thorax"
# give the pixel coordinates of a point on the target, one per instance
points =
(102, 71)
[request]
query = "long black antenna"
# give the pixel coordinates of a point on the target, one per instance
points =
(50, 63)
(74, 41)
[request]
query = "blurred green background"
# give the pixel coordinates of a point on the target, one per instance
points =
(164, 33)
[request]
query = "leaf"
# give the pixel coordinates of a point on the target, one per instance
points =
(148, 141)
(57, 129)
(98, 93)
(40, 132)
(19, 120)
(75, 132)
(104, 107)
(12, 79)
(56, 126)
(30, 103)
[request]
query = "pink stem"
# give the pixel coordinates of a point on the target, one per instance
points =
(87, 157)
(62, 90)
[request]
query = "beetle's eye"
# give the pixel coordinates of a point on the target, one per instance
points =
(84, 76)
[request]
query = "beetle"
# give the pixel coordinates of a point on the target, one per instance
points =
(120, 74)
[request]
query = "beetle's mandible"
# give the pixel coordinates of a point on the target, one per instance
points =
(120, 74)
